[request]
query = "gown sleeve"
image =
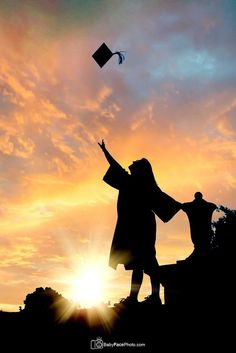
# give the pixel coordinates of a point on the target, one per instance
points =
(116, 177)
(164, 206)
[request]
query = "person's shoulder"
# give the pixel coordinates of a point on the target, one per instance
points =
(119, 170)
(210, 204)
(213, 205)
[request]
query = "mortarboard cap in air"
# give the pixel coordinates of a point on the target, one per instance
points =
(103, 54)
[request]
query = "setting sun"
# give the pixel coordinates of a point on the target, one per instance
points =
(88, 289)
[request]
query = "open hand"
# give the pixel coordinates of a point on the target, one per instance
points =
(102, 145)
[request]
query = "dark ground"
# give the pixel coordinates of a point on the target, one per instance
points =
(164, 328)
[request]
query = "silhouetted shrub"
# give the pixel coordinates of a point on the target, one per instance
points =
(225, 231)
(48, 302)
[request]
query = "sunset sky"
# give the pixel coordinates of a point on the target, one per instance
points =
(173, 101)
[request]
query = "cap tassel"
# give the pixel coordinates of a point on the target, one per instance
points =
(121, 56)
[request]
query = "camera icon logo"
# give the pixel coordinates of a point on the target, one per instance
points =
(96, 344)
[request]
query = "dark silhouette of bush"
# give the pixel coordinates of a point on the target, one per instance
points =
(224, 239)
(48, 303)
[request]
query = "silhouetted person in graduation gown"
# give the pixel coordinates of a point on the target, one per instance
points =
(135, 234)
(199, 214)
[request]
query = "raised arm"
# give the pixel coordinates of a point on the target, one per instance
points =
(108, 156)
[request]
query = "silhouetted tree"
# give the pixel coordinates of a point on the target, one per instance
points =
(225, 231)
(47, 302)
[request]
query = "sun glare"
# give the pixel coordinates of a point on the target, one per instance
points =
(88, 288)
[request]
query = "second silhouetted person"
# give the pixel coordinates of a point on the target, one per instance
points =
(199, 212)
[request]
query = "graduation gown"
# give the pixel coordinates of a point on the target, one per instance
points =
(134, 238)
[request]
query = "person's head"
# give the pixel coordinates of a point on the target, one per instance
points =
(142, 169)
(140, 166)
(198, 195)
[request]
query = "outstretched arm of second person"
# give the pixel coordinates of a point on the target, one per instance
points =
(108, 156)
